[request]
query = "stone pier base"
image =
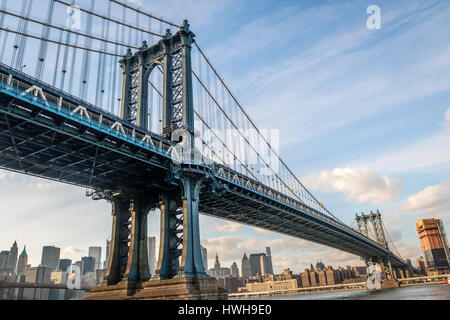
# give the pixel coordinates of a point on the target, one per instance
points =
(182, 289)
(120, 291)
(173, 289)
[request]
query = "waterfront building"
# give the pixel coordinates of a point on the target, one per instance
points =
(58, 277)
(151, 249)
(332, 276)
(41, 274)
(246, 268)
(272, 283)
(230, 284)
(321, 274)
(23, 261)
(96, 253)
(434, 245)
(11, 264)
(360, 271)
(50, 257)
(421, 266)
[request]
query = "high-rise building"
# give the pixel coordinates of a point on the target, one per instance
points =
(50, 257)
(266, 263)
(151, 249)
(3, 260)
(246, 268)
(421, 266)
(11, 265)
(87, 265)
(64, 264)
(434, 246)
(96, 253)
(234, 270)
(444, 239)
(255, 264)
(205, 257)
(23, 261)
(108, 248)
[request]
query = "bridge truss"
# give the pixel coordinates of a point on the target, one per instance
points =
(116, 137)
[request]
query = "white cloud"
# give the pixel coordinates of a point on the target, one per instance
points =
(72, 250)
(447, 116)
(357, 183)
(432, 200)
(262, 231)
(228, 226)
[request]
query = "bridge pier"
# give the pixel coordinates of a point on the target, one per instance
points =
(128, 263)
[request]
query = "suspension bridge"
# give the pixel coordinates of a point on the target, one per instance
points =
(127, 105)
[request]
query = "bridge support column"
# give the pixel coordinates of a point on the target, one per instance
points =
(170, 240)
(191, 263)
(128, 263)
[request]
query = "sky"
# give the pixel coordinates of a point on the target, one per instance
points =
(364, 120)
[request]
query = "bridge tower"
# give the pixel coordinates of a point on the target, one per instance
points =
(373, 222)
(180, 271)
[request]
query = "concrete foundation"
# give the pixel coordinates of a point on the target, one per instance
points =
(174, 289)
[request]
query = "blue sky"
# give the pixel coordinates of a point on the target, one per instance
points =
(364, 120)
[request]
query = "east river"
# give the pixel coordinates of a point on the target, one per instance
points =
(431, 292)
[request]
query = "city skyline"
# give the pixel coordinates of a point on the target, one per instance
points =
(376, 139)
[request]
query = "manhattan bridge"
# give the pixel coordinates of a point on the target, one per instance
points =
(103, 95)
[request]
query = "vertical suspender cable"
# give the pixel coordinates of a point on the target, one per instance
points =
(72, 65)
(58, 51)
(65, 57)
(18, 36)
(44, 44)
(87, 57)
(23, 40)
(2, 18)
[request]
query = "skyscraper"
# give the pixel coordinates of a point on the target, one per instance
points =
(266, 263)
(151, 248)
(50, 257)
(23, 261)
(246, 268)
(64, 264)
(96, 253)
(88, 265)
(108, 248)
(255, 263)
(3, 260)
(434, 246)
(205, 257)
(11, 265)
(234, 270)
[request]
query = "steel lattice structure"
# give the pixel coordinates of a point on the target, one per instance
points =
(51, 133)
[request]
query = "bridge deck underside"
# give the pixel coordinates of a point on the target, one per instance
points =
(39, 143)
(239, 206)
